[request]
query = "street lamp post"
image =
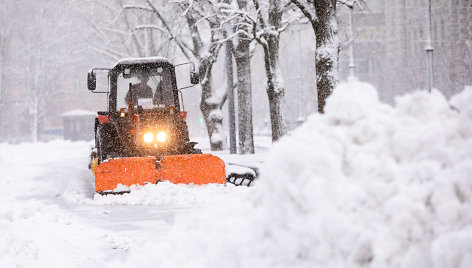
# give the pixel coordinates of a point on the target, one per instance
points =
(429, 51)
(352, 66)
(231, 108)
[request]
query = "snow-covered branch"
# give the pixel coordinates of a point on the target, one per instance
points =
(136, 7)
(150, 26)
(112, 54)
(231, 36)
(187, 51)
(349, 3)
(306, 10)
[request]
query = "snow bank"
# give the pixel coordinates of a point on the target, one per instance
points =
(365, 185)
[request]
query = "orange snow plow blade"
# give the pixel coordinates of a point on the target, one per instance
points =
(187, 169)
(126, 171)
(192, 168)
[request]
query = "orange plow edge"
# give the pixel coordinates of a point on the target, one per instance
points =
(187, 169)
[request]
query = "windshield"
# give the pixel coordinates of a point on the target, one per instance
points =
(149, 88)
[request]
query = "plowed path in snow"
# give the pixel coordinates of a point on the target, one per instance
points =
(50, 215)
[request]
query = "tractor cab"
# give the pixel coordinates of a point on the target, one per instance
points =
(148, 83)
(144, 114)
(145, 86)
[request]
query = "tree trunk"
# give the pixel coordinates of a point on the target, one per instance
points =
(206, 53)
(211, 110)
(4, 49)
(233, 148)
(275, 83)
(4, 111)
(242, 56)
(275, 91)
(245, 128)
(277, 121)
(327, 50)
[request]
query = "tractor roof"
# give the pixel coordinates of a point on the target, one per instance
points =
(129, 61)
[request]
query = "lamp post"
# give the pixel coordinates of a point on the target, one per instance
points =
(231, 109)
(429, 51)
(352, 66)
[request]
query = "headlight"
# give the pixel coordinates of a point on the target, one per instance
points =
(161, 136)
(148, 137)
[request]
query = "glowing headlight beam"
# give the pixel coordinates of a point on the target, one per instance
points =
(148, 137)
(161, 136)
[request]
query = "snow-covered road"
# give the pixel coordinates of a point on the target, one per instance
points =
(50, 215)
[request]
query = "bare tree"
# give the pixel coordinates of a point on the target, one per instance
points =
(264, 22)
(5, 38)
(322, 16)
(39, 56)
(37, 93)
(111, 32)
(266, 30)
(239, 40)
(201, 44)
(43, 63)
(116, 32)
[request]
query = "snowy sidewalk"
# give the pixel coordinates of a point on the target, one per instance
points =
(50, 216)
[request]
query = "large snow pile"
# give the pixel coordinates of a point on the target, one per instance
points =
(364, 185)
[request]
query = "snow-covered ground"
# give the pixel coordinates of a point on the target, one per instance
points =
(364, 185)
(50, 216)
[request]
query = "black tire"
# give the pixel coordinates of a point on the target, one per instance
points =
(190, 149)
(196, 151)
(106, 141)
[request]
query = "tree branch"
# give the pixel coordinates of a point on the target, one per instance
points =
(183, 47)
(307, 12)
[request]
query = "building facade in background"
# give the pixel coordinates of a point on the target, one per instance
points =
(390, 40)
(368, 39)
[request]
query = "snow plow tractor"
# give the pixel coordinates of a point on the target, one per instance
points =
(143, 137)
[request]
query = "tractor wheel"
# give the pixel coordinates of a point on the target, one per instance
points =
(189, 148)
(196, 151)
(105, 142)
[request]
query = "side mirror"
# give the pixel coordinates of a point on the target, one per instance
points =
(194, 78)
(91, 80)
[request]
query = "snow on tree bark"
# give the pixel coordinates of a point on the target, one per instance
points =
(211, 107)
(269, 40)
(327, 50)
(322, 17)
(211, 103)
(203, 51)
(245, 130)
(240, 47)
(265, 28)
